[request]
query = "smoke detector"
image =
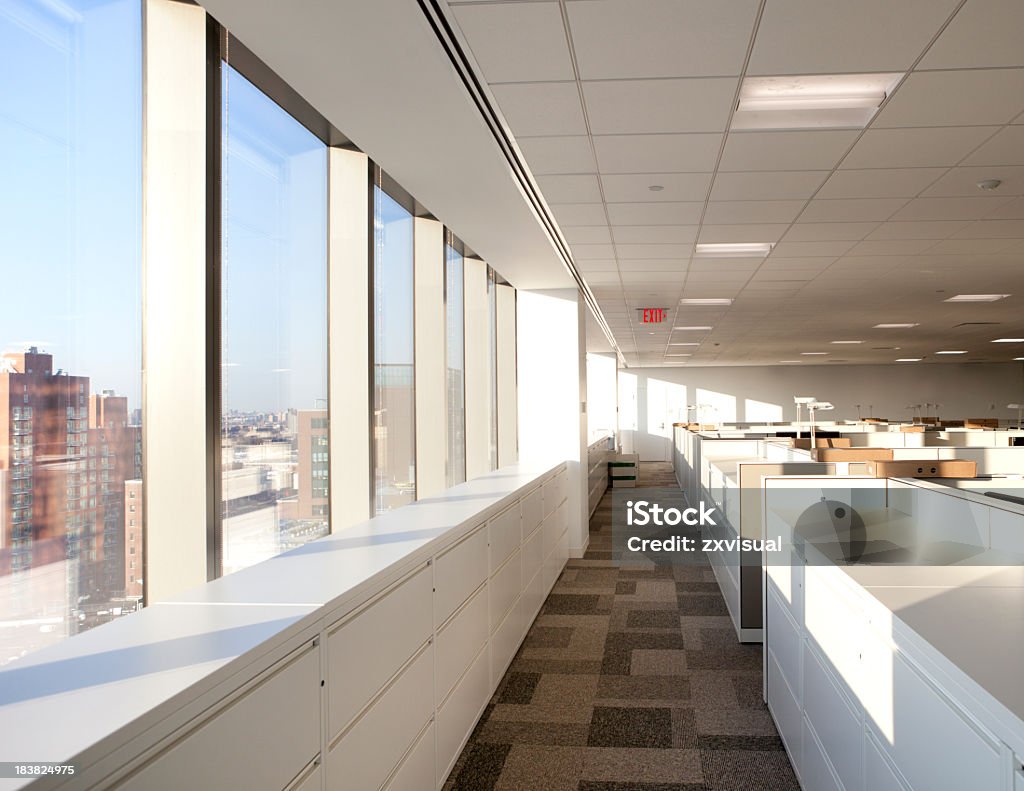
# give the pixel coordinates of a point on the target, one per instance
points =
(989, 184)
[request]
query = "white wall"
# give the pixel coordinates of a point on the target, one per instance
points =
(963, 390)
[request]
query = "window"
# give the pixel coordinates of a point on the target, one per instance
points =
(455, 355)
(274, 325)
(70, 220)
(394, 402)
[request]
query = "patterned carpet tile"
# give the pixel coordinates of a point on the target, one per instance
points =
(631, 679)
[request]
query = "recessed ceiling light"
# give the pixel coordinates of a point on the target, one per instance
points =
(1008, 340)
(812, 353)
(656, 188)
(680, 343)
(734, 250)
(811, 101)
(909, 359)
(952, 351)
(977, 298)
(847, 342)
(678, 354)
(692, 328)
(705, 301)
(894, 326)
(789, 361)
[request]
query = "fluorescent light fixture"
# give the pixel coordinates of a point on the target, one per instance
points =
(909, 359)
(894, 326)
(810, 354)
(977, 298)
(1008, 340)
(681, 343)
(695, 329)
(705, 301)
(848, 342)
(678, 354)
(790, 361)
(953, 351)
(1018, 359)
(733, 250)
(812, 101)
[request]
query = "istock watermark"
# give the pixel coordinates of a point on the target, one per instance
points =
(643, 513)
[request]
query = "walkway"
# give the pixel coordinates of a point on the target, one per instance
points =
(631, 679)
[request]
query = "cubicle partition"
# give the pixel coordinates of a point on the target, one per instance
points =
(896, 676)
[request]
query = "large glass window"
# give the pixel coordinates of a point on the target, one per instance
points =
(274, 452)
(455, 354)
(394, 401)
(70, 327)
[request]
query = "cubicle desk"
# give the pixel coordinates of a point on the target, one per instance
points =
(906, 678)
(361, 660)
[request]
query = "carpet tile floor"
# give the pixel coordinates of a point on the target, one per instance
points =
(631, 679)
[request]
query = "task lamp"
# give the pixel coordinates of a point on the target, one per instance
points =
(800, 401)
(817, 406)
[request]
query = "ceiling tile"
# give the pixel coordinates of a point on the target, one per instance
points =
(640, 106)
(655, 213)
(642, 251)
(829, 231)
(786, 274)
(839, 36)
(964, 182)
(878, 183)
(1014, 210)
(790, 150)
(558, 154)
(570, 189)
(499, 34)
(598, 264)
(692, 153)
(587, 234)
(655, 234)
(651, 264)
(983, 33)
(891, 246)
(569, 214)
(666, 38)
(948, 208)
(809, 262)
(721, 234)
(851, 209)
(541, 109)
(626, 188)
(992, 229)
(912, 148)
(969, 98)
(1006, 147)
(812, 249)
(773, 185)
(917, 230)
(582, 252)
(598, 278)
(769, 211)
(659, 276)
(969, 246)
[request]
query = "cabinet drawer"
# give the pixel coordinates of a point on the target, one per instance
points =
(505, 641)
(505, 536)
(262, 740)
(532, 507)
(459, 572)
(370, 750)
(533, 554)
(458, 715)
(366, 650)
(505, 587)
(459, 642)
(417, 770)
(838, 728)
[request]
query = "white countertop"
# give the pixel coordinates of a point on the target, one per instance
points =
(80, 694)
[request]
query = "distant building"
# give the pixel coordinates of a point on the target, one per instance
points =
(133, 538)
(65, 455)
(313, 464)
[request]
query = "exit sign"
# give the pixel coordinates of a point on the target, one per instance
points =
(652, 315)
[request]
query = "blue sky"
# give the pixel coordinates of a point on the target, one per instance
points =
(70, 115)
